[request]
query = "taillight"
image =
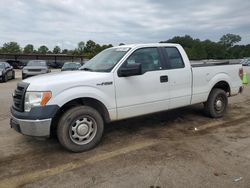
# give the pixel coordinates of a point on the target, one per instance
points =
(241, 73)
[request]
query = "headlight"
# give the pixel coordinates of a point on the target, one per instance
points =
(33, 99)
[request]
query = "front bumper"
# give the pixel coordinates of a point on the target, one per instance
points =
(39, 128)
(27, 74)
(37, 122)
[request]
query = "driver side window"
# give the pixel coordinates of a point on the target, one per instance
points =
(147, 57)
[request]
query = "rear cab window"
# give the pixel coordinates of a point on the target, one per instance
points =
(174, 58)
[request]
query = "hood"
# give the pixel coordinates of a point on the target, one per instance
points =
(67, 79)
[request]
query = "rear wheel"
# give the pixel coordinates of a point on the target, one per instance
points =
(216, 104)
(80, 129)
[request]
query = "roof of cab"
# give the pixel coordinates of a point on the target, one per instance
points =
(146, 45)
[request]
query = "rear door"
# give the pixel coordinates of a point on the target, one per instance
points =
(146, 93)
(180, 77)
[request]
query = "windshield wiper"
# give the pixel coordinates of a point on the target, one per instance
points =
(86, 69)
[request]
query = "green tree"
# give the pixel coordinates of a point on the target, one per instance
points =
(198, 51)
(91, 49)
(230, 39)
(56, 50)
(90, 46)
(11, 47)
(186, 41)
(43, 49)
(28, 49)
(80, 48)
(65, 51)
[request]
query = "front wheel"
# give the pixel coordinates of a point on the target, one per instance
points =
(80, 129)
(13, 75)
(23, 76)
(216, 104)
(5, 78)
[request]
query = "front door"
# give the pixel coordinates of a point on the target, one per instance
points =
(146, 93)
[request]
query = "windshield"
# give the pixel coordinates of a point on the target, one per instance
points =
(36, 63)
(71, 65)
(1, 66)
(106, 60)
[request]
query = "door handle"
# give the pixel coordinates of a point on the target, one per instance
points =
(163, 79)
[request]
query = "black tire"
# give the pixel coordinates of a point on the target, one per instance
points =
(13, 75)
(69, 127)
(216, 104)
(23, 77)
(5, 78)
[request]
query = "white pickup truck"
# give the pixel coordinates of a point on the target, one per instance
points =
(120, 82)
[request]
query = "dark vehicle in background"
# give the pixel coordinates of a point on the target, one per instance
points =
(16, 64)
(55, 65)
(6, 72)
(71, 66)
(245, 62)
(35, 67)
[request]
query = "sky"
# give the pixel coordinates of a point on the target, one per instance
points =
(67, 22)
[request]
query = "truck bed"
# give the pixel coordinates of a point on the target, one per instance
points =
(205, 75)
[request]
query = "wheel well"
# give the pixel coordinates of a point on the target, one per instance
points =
(223, 85)
(99, 106)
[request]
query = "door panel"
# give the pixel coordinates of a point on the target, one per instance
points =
(142, 94)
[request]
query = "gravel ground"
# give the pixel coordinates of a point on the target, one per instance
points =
(178, 148)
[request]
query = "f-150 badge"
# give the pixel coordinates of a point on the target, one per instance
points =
(104, 83)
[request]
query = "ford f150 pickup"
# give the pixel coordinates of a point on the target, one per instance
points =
(119, 83)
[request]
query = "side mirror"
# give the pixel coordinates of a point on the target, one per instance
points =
(130, 70)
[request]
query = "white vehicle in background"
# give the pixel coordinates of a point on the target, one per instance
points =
(245, 62)
(119, 83)
(35, 67)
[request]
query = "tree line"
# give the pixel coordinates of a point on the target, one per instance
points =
(225, 48)
(88, 49)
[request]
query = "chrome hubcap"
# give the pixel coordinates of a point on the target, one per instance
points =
(83, 130)
(218, 105)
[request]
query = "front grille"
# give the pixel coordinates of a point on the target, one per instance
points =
(34, 70)
(19, 95)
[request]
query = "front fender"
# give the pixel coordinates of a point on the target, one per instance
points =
(107, 97)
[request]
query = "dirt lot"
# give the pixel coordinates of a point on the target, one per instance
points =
(179, 148)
